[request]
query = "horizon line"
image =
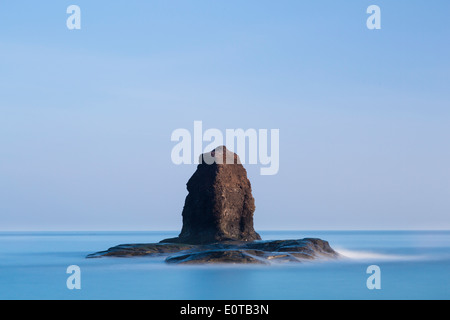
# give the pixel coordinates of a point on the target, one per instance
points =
(177, 231)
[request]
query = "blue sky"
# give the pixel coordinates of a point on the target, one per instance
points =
(86, 115)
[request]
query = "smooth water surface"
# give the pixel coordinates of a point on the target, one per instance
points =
(414, 265)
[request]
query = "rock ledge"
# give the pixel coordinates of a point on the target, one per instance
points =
(256, 252)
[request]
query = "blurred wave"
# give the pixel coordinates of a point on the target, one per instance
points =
(369, 255)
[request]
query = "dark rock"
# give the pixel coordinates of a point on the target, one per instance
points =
(146, 249)
(220, 205)
(217, 256)
(257, 252)
(218, 223)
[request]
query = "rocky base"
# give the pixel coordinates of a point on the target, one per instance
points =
(259, 252)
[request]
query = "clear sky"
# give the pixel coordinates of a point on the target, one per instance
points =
(86, 115)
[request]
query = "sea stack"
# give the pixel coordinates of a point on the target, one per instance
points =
(219, 206)
(218, 223)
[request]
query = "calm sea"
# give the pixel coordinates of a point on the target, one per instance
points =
(413, 265)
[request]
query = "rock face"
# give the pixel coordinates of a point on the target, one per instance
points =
(220, 205)
(256, 252)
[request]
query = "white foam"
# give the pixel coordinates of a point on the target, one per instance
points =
(368, 255)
